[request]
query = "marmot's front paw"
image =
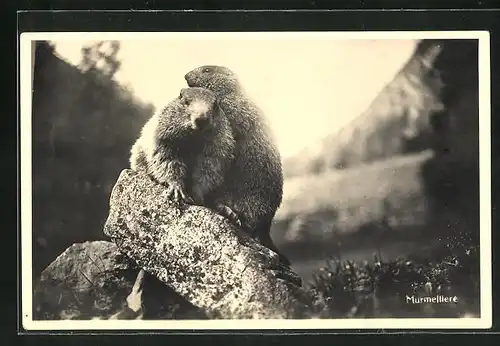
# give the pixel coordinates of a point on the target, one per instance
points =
(227, 212)
(178, 193)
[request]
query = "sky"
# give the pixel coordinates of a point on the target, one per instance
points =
(307, 88)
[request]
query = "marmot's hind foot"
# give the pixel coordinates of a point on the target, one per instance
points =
(228, 213)
(178, 194)
(267, 242)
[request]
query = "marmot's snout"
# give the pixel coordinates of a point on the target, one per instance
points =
(189, 79)
(201, 122)
(200, 114)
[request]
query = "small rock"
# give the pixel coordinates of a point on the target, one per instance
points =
(92, 280)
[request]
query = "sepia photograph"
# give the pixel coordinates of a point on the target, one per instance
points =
(244, 180)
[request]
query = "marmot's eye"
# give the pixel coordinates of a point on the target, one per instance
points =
(207, 69)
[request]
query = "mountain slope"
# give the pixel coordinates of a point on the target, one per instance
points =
(400, 119)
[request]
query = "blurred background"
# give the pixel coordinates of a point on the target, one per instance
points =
(379, 138)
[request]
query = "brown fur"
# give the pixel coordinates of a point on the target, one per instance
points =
(253, 187)
(190, 160)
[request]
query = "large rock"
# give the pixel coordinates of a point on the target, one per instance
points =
(201, 255)
(92, 280)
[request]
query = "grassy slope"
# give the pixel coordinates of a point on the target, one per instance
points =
(317, 207)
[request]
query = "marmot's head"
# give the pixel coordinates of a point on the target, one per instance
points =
(218, 79)
(201, 107)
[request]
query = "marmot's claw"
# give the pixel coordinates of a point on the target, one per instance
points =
(177, 195)
(227, 212)
(189, 200)
(185, 197)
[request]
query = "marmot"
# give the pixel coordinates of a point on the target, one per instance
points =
(188, 147)
(253, 187)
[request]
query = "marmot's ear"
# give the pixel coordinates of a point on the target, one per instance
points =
(181, 94)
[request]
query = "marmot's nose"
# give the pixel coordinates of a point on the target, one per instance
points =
(188, 79)
(201, 122)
